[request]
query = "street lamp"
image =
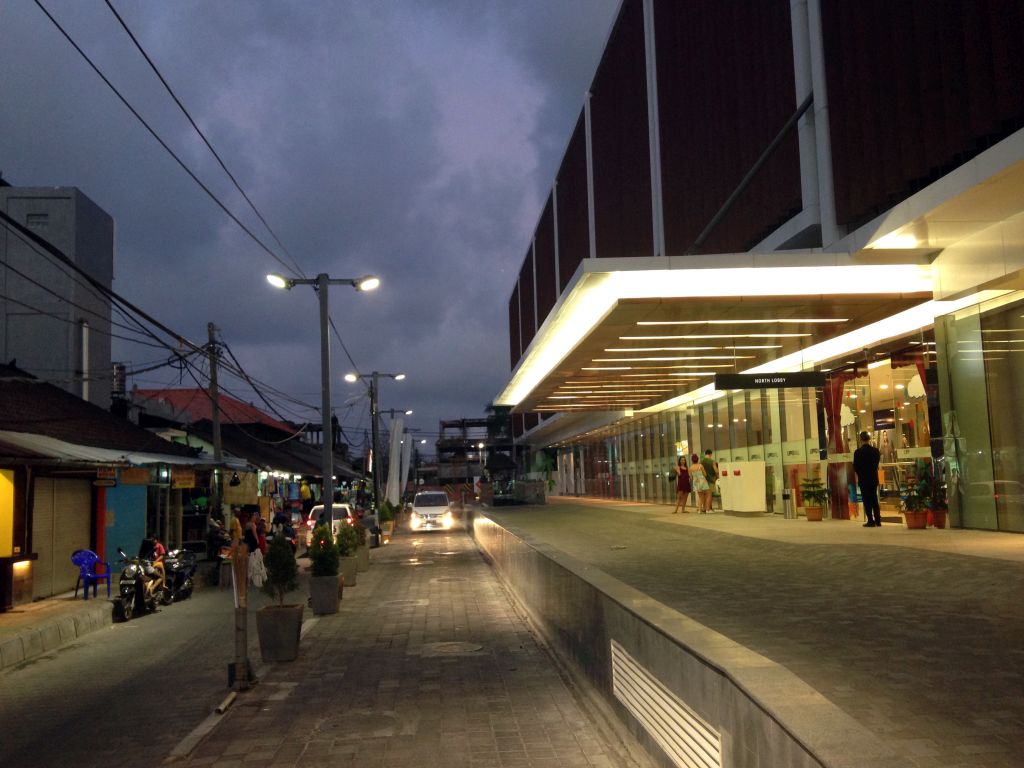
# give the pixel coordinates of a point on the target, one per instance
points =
(321, 281)
(374, 413)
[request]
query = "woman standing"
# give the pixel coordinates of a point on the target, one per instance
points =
(683, 485)
(699, 481)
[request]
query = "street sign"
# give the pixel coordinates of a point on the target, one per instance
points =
(769, 380)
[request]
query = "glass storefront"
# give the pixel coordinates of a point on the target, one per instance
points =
(796, 433)
(982, 379)
(944, 409)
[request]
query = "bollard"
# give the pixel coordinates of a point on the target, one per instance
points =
(788, 512)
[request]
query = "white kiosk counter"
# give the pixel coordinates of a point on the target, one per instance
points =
(742, 484)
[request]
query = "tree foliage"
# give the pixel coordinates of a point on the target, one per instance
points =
(323, 552)
(282, 570)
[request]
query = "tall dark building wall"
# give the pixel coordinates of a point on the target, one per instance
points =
(544, 250)
(573, 208)
(916, 88)
(527, 318)
(725, 89)
(515, 350)
(620, 141)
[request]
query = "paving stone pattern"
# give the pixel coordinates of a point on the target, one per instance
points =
(121, 696)
(426, 664)
(924, 648)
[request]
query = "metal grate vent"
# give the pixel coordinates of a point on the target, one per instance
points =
(688, 741)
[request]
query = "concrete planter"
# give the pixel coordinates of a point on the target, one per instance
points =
(324, 593)
(279, 628)
(348, 570)
(363, 558)
(814, 514)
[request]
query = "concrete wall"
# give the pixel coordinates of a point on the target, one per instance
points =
(47, 304)
(765, 715)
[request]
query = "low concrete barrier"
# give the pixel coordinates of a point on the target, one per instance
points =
(52, 632)
(691, 696)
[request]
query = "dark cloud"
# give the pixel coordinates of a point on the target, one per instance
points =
(410, 139)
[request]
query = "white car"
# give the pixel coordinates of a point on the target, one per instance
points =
(341, 514)
(431, 511)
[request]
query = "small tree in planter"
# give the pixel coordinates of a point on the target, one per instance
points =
(387, 520)
(348, 540)
(362, 548)
(279, 625)
(815, 496)
(324, 557)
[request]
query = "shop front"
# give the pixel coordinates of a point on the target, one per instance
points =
(982, 426)
(783, 428)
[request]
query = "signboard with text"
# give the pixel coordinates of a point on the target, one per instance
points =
(769, 380)
(183, 477)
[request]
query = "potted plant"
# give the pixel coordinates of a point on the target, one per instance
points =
(938, 506)
(324, 586)
(387, 521)
(814, 496)
(362, 547)
(915, 498)
(279, 626)
(347, 541)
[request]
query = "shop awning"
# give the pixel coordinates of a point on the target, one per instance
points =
(41, 446)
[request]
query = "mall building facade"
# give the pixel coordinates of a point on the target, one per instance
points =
(778, 187)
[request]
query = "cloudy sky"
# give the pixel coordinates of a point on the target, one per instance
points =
(412, 139)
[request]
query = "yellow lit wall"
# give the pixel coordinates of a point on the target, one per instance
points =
(6, 512)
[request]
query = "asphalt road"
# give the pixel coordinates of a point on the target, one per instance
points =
(924, 648)
(125, 695)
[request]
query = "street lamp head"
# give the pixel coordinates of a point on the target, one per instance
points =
(399, 376)
(351, 377)
(279, 282)
(409, 412)
(423, 441)
(367, 283)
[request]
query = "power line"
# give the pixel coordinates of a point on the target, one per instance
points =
(199, 131)
(61, 256)
(72, 322)
(181, 163)
(162, 143)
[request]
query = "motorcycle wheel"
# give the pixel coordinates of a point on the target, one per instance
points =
(165, 596)
(123, 609)
(186, 589)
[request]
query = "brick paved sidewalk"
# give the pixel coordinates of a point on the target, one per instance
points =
(427, 664)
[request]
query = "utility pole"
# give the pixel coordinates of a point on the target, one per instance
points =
(239, 564)
(375, 431)
(218, 451)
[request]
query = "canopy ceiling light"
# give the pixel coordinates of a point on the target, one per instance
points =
(594, 295)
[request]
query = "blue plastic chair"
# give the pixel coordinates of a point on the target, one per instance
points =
(87, 560)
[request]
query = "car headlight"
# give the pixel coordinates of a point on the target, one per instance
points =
(415, 521)
(447, 520)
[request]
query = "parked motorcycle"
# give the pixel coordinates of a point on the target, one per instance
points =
(140, 588)
(179, 567)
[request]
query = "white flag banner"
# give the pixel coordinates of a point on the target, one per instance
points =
(395, 462)
(406, 462)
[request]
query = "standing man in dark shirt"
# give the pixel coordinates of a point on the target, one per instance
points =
(865, 464)
(711, 470)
